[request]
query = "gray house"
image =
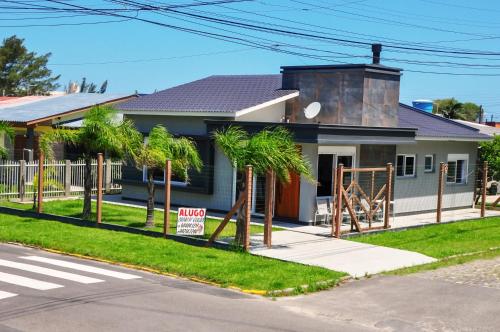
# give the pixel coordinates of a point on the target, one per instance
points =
(347, 114)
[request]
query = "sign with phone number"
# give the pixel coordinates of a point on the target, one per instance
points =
(191, 221)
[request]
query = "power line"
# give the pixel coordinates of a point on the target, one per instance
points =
(151, 59)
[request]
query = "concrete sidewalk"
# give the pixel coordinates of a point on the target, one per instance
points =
(356, 259)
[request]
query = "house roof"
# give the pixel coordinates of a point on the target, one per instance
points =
(215, 94)
(15, 101)
(51, 107)
(429, 125)
(483, 129)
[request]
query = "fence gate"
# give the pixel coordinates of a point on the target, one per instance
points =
(362, 198)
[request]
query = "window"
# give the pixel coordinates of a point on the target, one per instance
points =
(405, 165)
(457, 168)
(429, 163)
(159, 177)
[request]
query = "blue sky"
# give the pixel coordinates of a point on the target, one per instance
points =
(149, 58)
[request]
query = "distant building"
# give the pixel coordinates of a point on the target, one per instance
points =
(483, 128)
(33, 115)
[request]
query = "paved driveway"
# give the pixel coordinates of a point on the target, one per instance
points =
(314, 246)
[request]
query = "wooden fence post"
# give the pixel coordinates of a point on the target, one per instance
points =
(248, 206)
(442, 170)
(39, 207)
(388, 195)
(99, 187)
(338, 201)
(22, 179)
(107, 177)
(483, 189)
(268, 219)
(67, 178)
(166, 207)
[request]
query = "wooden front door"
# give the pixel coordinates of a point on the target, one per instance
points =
(288, 198)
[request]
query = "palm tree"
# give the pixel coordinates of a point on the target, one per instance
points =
(450, 108)
(160, 146)
(5, 129)
(270, 149)
(99, 133)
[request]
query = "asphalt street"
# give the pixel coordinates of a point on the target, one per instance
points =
(134, 301)
(42, 291)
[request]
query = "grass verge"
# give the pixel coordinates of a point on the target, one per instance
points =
(127, 216)
(453, 243)
(225, 268)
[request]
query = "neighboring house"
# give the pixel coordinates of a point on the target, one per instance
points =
(31, 116)
(361, 124)
(483, 128)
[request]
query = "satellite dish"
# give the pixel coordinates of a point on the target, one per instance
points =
(312, 110)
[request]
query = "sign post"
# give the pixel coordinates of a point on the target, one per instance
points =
(191, 221)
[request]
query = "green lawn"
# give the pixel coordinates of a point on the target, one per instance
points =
(442, 241)
(228, 268)
(127, 216)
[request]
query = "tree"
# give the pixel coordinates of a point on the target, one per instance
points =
(453, 109)
(8, 131)
(92, 87)
(490, 151)
(23, 72)
(104, 87)
(153, 154)
(83, 86)
(270, 149)
(99, 133)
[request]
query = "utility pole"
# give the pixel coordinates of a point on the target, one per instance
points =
(481, 114)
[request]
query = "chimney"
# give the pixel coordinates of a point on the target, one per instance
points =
(376, 50)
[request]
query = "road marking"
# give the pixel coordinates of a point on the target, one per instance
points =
(49, 272)
(81, 267)
(4, 295)
(27, 282)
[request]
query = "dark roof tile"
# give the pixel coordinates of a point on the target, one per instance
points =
(224, 93)
(431, 125)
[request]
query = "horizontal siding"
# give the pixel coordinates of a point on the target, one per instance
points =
(419, 193)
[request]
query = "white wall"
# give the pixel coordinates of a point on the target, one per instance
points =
(273, 113)
(307, 188)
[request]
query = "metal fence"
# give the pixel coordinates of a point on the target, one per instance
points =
(61, 178)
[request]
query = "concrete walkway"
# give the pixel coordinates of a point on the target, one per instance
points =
(356, 259)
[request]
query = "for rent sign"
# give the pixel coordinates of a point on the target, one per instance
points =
(191, 221)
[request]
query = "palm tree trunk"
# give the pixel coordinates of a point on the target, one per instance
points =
(239, 237)
(87, 189)
(150, 212)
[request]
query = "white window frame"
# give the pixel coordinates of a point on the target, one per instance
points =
(465, 170)
(173, 183)
(338, 151)
(426, 170)
(404, 165)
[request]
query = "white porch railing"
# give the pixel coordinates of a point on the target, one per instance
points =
(62, 178)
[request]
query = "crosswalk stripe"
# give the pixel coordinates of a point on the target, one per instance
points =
(49, 272)
(82, 267)
(4, 295)
(27, 282)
